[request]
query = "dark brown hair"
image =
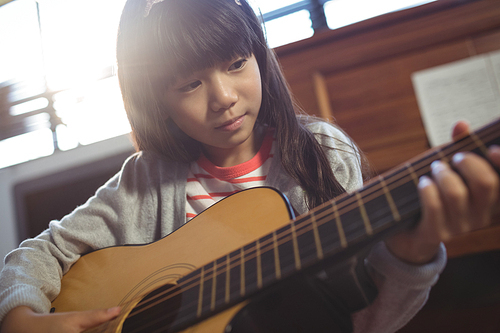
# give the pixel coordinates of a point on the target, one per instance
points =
(178, 37)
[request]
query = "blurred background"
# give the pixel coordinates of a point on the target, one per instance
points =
(64, 132)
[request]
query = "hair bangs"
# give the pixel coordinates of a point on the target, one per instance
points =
(194, 35)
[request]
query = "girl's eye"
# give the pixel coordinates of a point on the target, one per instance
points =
(238, 65)
(189, 87)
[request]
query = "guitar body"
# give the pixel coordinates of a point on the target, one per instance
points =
(243, 263)
(121, 275)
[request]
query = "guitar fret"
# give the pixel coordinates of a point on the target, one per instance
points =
(276, 256)
(413, 174)
(214, 285)
(442, 156)
(235, 275)
(227, 278)
(340, 228)
(200, 294)
(306, 242)
(479, 143)
(208, 280)
(362, 209)
(220, 290)
(267, 259)
(286, 249)
(242, 273)
(317, 241)
(295, 247)
(250, 263)
(390, 200)
(259, 265)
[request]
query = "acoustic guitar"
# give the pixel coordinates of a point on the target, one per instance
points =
(225, 269)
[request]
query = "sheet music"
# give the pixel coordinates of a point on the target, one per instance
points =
(468, 89)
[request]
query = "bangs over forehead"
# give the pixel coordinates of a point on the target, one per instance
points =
(192, 35)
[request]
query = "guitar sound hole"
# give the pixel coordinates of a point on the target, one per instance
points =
(156, 312)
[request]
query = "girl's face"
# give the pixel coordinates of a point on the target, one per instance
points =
(218, 107)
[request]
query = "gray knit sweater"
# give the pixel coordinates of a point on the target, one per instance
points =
(146, 201)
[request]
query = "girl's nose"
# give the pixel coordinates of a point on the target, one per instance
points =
(223, 95)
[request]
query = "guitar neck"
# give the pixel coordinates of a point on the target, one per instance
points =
(331, 231)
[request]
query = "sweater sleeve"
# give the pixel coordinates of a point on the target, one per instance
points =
(402, 288)
(123, 211)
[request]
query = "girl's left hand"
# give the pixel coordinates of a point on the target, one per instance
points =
(452, 203)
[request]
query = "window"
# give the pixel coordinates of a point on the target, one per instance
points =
(27, 135)
(340, 13)
(287, 21)
(55, 82)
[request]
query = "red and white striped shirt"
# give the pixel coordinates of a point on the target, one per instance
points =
(208, 183)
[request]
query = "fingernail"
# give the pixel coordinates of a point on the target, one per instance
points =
(437, 166)
(424, 181)
(458, 157)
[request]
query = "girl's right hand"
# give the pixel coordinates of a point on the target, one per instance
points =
(24, 320)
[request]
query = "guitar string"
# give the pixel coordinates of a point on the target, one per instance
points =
(346, 204)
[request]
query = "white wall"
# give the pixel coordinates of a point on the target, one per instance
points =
(59, 161)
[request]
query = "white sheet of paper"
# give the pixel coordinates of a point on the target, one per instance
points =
(468, 89)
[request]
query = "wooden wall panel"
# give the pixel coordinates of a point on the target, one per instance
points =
(387, 135)
(487, 43)
(383, 94)
(383, 81)
(389, 35)
(367, 71)
(303, 91)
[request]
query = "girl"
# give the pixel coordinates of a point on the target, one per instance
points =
(211, 114)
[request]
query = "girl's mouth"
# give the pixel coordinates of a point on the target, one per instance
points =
(232, 124)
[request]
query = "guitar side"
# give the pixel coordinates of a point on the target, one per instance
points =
(119, 275)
